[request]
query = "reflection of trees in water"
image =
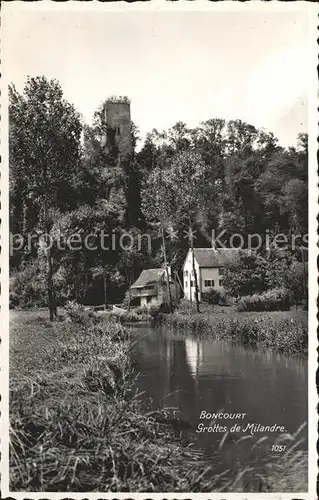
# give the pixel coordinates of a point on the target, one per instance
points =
(204, 354)
(195, 375)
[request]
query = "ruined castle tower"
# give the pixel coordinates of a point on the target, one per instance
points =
(118, 115)
(117, 144)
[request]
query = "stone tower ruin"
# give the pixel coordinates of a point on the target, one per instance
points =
(118, 115)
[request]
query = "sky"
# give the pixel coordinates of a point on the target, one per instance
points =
(173, 65)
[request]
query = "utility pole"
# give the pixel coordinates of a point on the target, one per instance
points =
(193, 265)
(166, 269)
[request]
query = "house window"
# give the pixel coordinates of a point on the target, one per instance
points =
(192, 283)
(186, 284)
(221, 282)
(186, 274)
(221, 270)
(148, 299)
(209, 283)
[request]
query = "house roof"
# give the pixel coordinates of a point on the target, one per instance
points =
(148, 277)
(210, 257)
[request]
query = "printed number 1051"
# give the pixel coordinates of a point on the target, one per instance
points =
(278, 447)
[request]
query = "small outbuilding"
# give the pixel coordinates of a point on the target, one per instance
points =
(151, 288)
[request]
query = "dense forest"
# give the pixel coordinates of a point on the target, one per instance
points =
(183, 183)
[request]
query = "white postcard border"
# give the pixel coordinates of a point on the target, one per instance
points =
(155, 6)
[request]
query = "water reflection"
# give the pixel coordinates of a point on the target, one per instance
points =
(195, 375)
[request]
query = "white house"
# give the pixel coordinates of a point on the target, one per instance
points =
(209, 265)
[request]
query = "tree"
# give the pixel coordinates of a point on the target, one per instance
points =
(44, 155)
(157, 204)
(133, 260)
(245, 275)
(295, 203)
(103, 272)
(178, 137)
(190, 192)
(296, 281)
(241, 138)
(278, 264)
(89, 242)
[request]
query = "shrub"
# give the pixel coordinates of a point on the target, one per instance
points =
(126, 317)
(13, 300)
(132, 316)
(277, 299)
(79, 315)
(129, 300)
(145, 313)
(155, 311)
(215, 297)
(140, 311)
(185, 305)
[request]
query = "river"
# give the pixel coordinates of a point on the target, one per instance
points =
(193, 375)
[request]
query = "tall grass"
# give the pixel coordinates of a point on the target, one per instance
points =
(77, 423)
(285, 331)
(263, 470)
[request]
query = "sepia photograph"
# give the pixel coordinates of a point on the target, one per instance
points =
(159, 202)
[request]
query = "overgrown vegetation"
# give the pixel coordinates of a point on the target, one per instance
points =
(285, 331)
(215, 297)
(277, 299)
(78, 425)
(226, 175)
(276, 271)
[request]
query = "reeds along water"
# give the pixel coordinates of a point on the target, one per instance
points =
(68, 434)
(284, 331)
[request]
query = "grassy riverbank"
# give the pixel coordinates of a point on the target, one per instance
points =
(78, 425)
(285, 331)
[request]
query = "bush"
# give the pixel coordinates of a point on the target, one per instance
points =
(155, 311)
(215, 297)
(129, 300)
(277, 299)
(132, 316)
(13, 300)
(79, 315)
(140, 311)
(125, 317)
(185, 305)
(147, 312)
